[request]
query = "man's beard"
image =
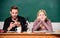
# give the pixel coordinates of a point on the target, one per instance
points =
(15, 17)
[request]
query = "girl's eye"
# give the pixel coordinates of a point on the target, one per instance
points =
(39, 15)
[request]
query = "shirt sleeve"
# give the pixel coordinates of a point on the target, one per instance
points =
(36, 25)
(6, 25)
(23, 23)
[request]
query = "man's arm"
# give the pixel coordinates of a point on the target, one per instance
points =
(24, 26)
(6, 25)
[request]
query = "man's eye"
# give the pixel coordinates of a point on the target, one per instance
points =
(16, 13)
(12, 12)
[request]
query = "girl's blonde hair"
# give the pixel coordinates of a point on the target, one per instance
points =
(41, 11)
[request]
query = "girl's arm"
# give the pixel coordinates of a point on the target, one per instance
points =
(36, 25)
(48, 25)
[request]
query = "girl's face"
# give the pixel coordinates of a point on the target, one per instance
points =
(41, 16)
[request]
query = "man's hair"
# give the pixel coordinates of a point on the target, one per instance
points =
(13, 7)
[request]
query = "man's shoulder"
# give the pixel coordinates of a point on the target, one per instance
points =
(21, 17)
(7, 18)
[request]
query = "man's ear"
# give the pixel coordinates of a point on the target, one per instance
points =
(10, 12)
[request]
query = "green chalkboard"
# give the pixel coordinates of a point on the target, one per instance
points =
(29, 8)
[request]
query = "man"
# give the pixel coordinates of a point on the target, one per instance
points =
(14, 21)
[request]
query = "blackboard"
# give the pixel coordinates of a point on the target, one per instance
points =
(29, 8)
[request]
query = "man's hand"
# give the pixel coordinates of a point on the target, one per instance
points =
(11, 25)
(17, 23)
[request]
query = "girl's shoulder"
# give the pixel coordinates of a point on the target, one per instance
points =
(48, 21)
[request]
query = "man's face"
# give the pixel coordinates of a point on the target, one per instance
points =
(14, 13)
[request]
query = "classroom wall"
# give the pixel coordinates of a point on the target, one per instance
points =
(55, 25)
(29, 8)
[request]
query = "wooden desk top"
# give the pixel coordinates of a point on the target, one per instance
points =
(25, 33)
(29, 35)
